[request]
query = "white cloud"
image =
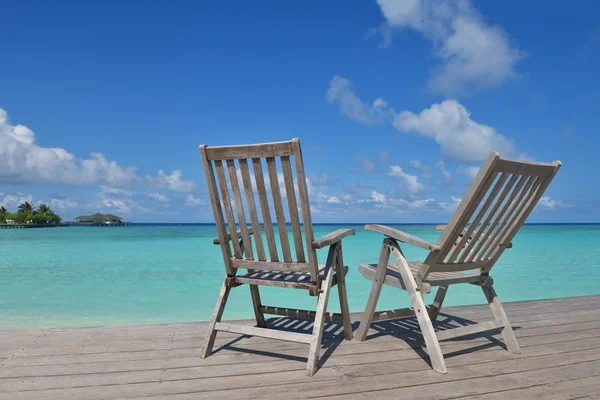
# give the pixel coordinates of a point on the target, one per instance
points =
(121, 205)
(15, 199)
(469, 171)
(23, 161)
(446, 176)
(62, 203)
(193, 201)
(450, 125)
(333, 200)
(451, 205)
(347, 198)
(378, 197)
(158, 197)
(412, 181)
(547, 203)
(474, 53)
(340, 91)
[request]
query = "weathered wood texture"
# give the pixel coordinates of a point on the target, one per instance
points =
(559, 338)
(233, 196)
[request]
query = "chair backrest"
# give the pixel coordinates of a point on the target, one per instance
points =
(498, 202)
(224, 167)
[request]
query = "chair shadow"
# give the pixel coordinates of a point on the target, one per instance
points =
(406, 329)
(333, 336)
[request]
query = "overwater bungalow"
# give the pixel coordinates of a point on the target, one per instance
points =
(99, 219)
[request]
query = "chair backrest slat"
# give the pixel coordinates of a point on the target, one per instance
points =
(239, 207)
(530, 205)
(249, 191)
(526, 194)
(502, 195)
(213, 192)
(288, 180)
(237, 251)
(278, 204)
(494, 238)
(270, 199)
(469, 233)
(495, 224)
(264, 207)
(485, 224)
(305, 208)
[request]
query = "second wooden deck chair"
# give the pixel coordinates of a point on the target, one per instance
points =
(487, 218)
(275, 266)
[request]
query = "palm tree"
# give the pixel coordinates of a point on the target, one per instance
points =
(3, 210)
(26, 207)
(44, 209)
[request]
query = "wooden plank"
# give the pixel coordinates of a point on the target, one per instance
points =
(378, 280)
(331, 238)
(468, 235)
(460, 217)
(239, 206)
(489, 233)
(416, 298)
(511, 214)
(305, 207)
(340, 274)
(278, 205)
(468, 253)
(217, 211)
(402, 236)
(288, 180)
(271, 266)
(263, 332)
(237, 251)
(318, 325)
(531, 206)
(256, 304)
(275, 149)
(468, 330)
(264, 207)
(211, 334)
(249, 190)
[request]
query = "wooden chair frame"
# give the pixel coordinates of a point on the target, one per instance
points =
(272, 268)
(496, 205)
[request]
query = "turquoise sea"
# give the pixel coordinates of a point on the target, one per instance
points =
(85, 276)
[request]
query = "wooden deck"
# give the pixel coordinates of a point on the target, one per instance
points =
(560, 340)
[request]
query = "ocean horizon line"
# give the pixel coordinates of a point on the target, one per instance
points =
(352, 223)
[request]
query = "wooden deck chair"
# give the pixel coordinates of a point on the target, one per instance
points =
(276, 266)
(494, 208)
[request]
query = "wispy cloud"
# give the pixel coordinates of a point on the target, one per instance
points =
(340, 91)
(474, 53)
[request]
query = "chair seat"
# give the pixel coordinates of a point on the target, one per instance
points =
(287, 277)
(394, 278)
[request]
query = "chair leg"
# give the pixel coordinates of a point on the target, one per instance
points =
(436, 307)
(341, 286)
(317, 334)
(211, 334)
(378, 280)
(431, 342)
(507, 332)
(260, 317)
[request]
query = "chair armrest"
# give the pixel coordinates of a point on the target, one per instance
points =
(228, 236)
(332, 238)
(402, 236)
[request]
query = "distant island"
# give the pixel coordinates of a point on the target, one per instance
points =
(27, 214)
(99, 219)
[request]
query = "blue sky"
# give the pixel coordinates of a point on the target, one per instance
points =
(396, 102)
